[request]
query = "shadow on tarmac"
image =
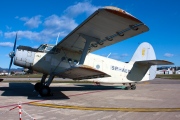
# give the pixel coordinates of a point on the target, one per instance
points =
(26, 89)
(1, 80)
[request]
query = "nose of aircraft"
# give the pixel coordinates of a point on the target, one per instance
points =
(12, 54)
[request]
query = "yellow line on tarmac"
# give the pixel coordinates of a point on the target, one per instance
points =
(107, 108)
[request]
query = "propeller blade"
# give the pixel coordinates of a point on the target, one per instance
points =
(15, 43)
(12, 54)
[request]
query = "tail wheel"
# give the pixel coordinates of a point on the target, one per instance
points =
(45, 91)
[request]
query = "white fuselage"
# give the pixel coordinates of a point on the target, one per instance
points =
(117, 69)
(53, 63)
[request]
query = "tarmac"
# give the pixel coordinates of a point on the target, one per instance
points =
(158, 99)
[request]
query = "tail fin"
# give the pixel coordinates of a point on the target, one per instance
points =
(145, 63)
(144, 52)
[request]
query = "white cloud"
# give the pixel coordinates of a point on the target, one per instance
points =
(124, 55)
(6, 44)
(79, 8)
(60, 23)
(168, 55)
(117, 56)
(33, 22)
(53, 24)
(24, 19)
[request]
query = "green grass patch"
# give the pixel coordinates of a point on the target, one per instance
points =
(171, 76)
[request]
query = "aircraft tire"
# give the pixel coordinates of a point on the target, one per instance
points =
(127, 88)
(45, 91)
(37, 86)
(133, 87)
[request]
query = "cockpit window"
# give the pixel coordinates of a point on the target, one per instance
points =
(45, 48)
(42, 47)
(48, 48)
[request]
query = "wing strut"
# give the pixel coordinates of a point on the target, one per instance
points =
(88, 39)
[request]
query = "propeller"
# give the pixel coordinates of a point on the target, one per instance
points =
(12, 54)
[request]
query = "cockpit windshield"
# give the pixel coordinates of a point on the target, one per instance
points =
(45, 47)
(48, 48)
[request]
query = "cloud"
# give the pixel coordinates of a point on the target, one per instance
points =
(168, 55)
(79, 8)
(117, 56)
(6, 44)
(124, 55)
(62, 23)
(44, 35)
(32, 22)
(52, 25)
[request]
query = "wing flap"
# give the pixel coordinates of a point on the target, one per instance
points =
(82, 72)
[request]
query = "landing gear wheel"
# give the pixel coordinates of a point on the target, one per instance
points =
(127, 88)
(133, 87)
(45, 91)
(37, 86)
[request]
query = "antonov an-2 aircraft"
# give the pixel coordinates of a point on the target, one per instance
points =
(72, 57)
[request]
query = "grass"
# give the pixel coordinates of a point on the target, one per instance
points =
(170, 76)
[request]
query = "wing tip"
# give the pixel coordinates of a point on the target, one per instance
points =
(121, 12)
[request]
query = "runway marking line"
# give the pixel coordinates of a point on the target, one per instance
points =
(107, 108)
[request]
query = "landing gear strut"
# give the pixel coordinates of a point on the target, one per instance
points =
(43, 86)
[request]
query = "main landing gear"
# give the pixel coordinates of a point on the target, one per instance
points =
(43, 86)
(130, 86)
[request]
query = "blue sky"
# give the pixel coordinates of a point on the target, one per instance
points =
(40, 21)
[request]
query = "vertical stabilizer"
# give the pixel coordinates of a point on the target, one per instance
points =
(145, 52)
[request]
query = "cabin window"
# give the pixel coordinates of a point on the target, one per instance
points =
(97, 66)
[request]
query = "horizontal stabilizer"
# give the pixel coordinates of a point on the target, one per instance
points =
(140, 68)
(154, 62)
(82, 72)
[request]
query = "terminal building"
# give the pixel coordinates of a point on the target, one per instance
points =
(168, 70)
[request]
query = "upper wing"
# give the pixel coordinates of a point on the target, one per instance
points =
(106, 26)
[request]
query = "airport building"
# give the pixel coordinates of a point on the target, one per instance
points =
(168, 70)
